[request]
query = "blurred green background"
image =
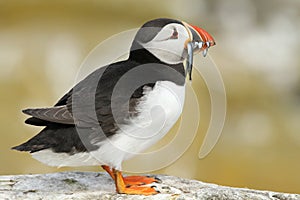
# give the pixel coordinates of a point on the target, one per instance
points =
(42, 44)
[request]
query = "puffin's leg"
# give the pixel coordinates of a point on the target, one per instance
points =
(132, 189)
(133, 180)
(109, 171)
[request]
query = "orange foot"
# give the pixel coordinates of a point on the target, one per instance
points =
(131, 184)
(139, 190)
(133, 180)
(140, 180)
(122, 188)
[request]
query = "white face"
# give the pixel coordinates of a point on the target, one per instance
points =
(169, 44)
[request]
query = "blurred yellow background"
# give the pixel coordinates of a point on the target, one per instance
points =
(42, 44)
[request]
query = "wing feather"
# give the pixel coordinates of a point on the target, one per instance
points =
(57, 114)
(88, 103)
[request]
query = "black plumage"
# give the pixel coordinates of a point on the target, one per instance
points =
(84, 115)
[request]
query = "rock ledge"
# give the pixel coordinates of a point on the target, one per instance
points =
(91, 185)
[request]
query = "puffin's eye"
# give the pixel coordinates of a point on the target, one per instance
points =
(175, 34)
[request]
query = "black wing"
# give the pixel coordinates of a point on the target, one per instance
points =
(88, 104)
(75, 121)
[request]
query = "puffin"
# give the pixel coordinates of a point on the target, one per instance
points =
(123, 108)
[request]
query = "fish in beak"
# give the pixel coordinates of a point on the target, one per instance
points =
(199, 40)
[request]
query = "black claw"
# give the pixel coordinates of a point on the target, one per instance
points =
(153, 186)
(157, 180)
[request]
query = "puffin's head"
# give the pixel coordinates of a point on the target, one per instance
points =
(172, 41)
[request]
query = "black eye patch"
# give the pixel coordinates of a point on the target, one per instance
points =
(175, 34)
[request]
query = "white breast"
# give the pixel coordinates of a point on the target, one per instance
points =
(159, 109)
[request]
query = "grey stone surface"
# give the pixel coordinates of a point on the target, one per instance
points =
(91, 185)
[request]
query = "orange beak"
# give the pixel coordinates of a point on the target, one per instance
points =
(199, 40)
(206, 38)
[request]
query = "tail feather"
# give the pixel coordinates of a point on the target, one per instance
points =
(37, 122)
(31, 148)
(60, 138)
